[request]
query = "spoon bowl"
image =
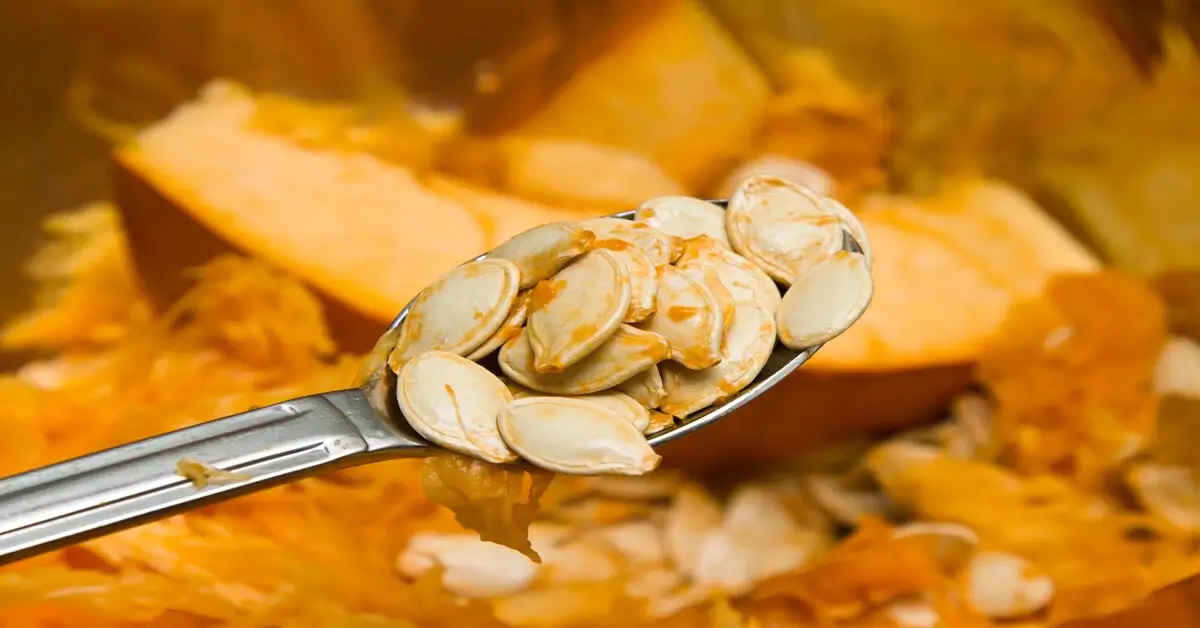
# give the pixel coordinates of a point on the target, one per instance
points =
(118, 488)
(781, 364)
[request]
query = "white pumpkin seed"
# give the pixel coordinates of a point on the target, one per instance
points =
(781, 166)
(1003, 586)
(643, 278)
(646, 387)
(890, 459)
(575, 311)
(913, 613)
(1170, 492)
(584, 559)
(459, 311)
(846, 501)
(782, 227)
(744, 353)
(734, 562)
(623, 405)
(574, 436)
(969, 433)
(951, 544)
(692, 516)
(543, 250)
(1178, 368)
(661, 248)
(509, 329)
(689, 317)
(851, 224)
(745, 282)
(758, 538)
(472, 568)
(454, 402)
(825, 301)
(756, 510)
(684, 217)
(629, 352)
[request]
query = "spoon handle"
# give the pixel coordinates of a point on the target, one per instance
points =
(118, 488)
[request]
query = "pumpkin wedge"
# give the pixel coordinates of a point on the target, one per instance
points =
(364, 233)
(947, 269)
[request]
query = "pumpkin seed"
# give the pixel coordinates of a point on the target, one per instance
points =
(758, 538)
(543, 250)
(781, 166)
(1178, 368)
(510, 328)
(575, 436)
(1168, 491)
(458, 312)
(825, 301)
(952, 545)
(629, 352)
(745, 282)
(585, 559)
(645, 387)
(692, 516)
(472, 568)
(643, 278)
(782, 227)
(913, 613)
(623, 405)
(1003, 586)
(684, 217)
(756, 510)
(846, 500)
(661, 248)
(891, 459)
(454, 402)
(970, 433)
(638, 542)
(689, 317)
(575, 311)
(744, 353)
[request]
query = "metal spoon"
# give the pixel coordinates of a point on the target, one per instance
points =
(119, 488)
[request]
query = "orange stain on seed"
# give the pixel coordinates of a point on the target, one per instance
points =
(611, 244)
(680, 313)
(543, 293)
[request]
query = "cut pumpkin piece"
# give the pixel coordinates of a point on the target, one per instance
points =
(676, 89)
(365, 233)
(946, 272)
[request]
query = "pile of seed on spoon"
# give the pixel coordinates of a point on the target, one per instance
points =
(602, 332)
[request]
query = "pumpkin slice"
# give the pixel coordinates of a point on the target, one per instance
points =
(947, 271)
(365, 233)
